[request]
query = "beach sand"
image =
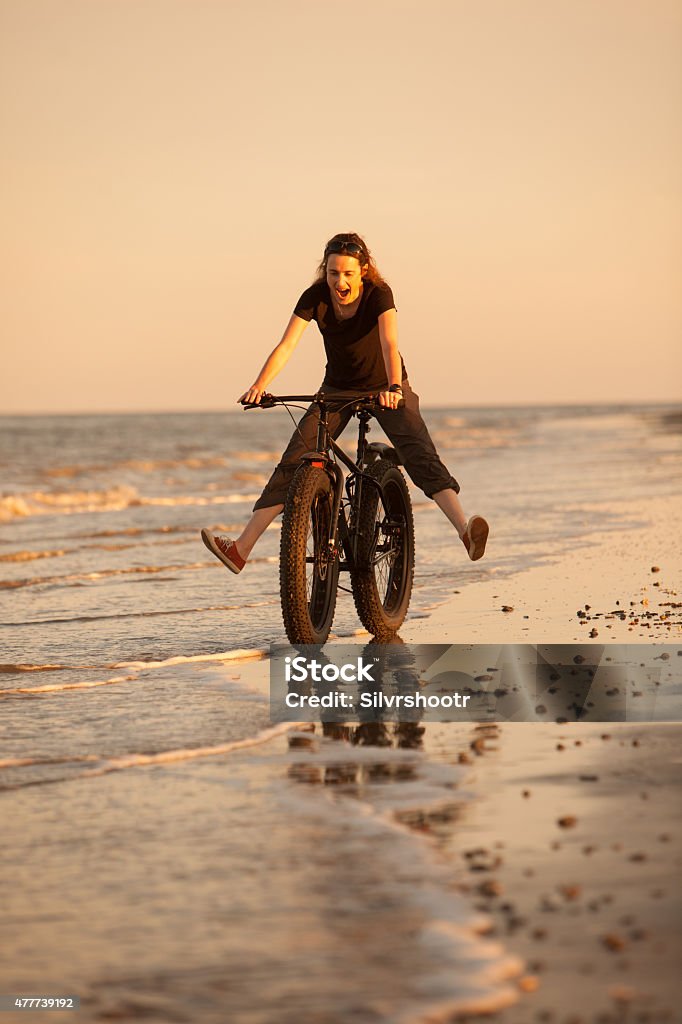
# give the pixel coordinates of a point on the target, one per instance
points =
(594, 909)
(592, 906)
(632, 573)
(572, 842)
(308, 876)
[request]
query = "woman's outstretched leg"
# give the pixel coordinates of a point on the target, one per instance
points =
(234, 553)
(256, 527)
(473, 532)
(408, 432)
(450, 505)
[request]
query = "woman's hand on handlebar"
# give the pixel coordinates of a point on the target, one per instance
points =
(390, 399)
(252, 396)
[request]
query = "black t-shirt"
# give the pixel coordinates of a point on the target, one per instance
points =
(354, 358)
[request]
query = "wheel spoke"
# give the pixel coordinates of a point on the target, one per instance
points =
(310, 557)
(317, 567)
(387, 561)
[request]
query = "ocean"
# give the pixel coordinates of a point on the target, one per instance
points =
(167, 853)
(100, 553)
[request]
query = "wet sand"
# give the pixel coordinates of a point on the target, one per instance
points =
(237, 880)
(573, 841)
(566, 838)
(572, 846)
(618, 587)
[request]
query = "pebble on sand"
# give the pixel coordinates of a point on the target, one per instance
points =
(529, 983)
(490, 888)
(623, 993)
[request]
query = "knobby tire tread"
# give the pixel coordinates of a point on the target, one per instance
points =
(308, 482)
(368, 603)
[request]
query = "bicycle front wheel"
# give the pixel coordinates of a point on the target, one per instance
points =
(308, 572)
(382, 579)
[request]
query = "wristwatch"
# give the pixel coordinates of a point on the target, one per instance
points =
(396, 387)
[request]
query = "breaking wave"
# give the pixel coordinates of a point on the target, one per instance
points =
(112, 499)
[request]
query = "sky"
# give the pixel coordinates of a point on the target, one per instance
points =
(171, 169)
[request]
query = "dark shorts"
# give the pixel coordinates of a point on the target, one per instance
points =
(404, 427)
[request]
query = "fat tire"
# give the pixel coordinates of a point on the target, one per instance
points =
(306, 622)
(383, 613)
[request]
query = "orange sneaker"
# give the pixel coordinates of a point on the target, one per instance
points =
(224, 549)
(475, 536)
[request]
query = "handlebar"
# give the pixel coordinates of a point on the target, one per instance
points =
(369, 402)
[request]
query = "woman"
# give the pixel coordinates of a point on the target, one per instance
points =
(356, 315)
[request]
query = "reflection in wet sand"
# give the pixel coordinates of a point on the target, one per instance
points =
(397, 735)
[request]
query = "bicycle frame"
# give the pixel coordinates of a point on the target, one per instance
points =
(361, 406)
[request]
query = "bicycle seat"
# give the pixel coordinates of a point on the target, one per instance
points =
(379, 450)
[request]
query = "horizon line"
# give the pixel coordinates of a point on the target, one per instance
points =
(228, 410)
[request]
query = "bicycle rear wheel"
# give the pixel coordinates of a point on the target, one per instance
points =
(382, 579)
(308, 574)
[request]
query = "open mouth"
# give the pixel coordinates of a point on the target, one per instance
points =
(343, 293)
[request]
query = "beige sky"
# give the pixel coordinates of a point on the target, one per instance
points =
(171, 170)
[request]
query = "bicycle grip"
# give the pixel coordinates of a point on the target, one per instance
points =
(400, 405)
(266, 402)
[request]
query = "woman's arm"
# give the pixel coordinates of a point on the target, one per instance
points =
(277, 359)
(388, 336)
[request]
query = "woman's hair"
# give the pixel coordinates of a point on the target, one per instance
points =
(349, 244)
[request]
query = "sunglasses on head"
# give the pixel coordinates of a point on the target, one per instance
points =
(346, 249)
